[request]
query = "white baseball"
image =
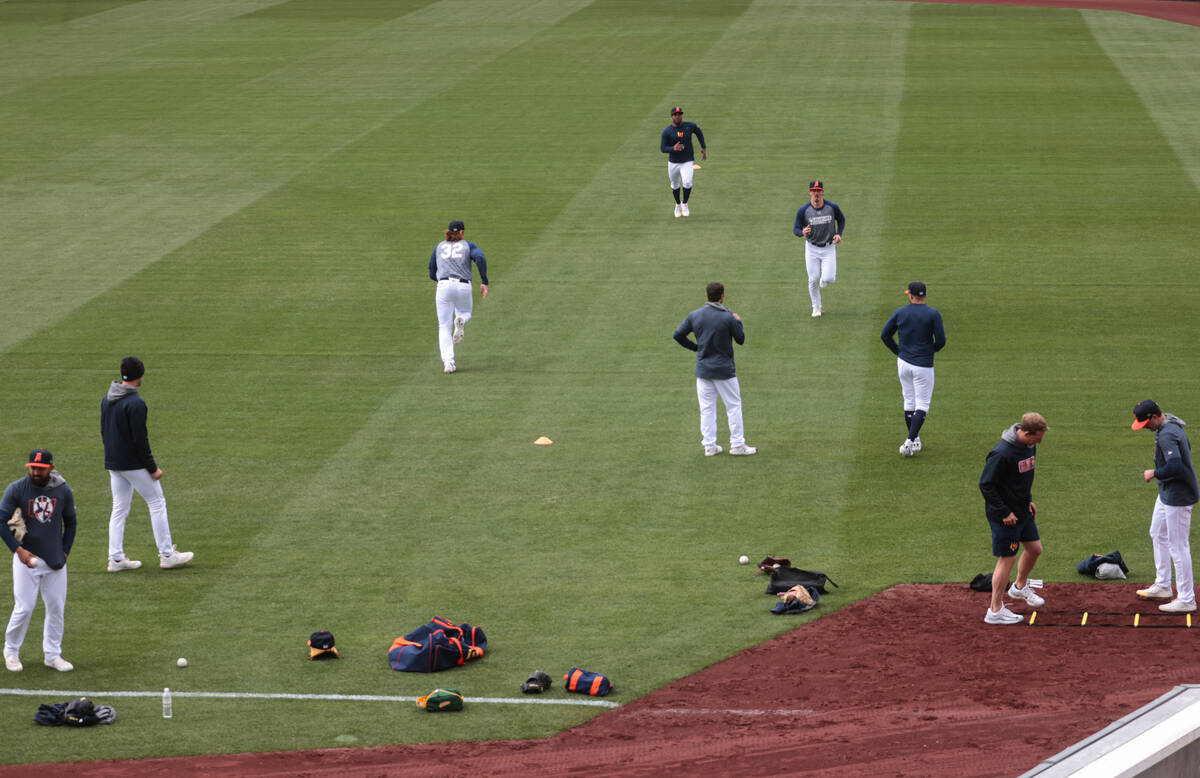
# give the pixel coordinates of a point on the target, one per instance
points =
(743, 560)
(181, 662)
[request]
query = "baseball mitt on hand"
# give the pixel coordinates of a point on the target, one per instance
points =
(17, 525)
(536, 683)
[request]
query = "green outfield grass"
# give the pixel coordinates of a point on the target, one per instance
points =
(245, 194)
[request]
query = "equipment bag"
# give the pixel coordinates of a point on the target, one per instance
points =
(435, 646)
(784, 578)
(583, 682)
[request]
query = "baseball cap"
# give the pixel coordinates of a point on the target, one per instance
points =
(320, 646)
(916, 289)
(1142, 413)
(457, 226)
(40, 457)
(676, 110)
(816, 186)
(132, 369)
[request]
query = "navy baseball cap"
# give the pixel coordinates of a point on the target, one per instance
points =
(917, 289)
(456, 226)
(1142, 413)
(132, 369)
(676, 110)
(816, 186)
(40, 457)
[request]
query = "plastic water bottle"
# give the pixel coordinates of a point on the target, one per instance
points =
(166, 703)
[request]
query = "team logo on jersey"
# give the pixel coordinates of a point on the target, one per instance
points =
(1025, 465)
(679, 134)
(42, 508)
(1012, 546)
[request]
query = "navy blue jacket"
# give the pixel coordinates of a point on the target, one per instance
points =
(49, 518)
(1007, 479)
(123, 428)
(681, 134)
(1173, 464)
(921, 333)
(716, 331)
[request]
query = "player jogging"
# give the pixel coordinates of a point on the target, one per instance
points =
(450, 266)
(821, 223)
(921, 334)
(681, 158)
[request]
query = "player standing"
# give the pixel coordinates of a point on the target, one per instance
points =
(716, 328)
(821, 223)
(131, 467)
(450, 266)
(921, 334)
(40, 558)
(1171, 522)
(681, 158)
(1007, 487)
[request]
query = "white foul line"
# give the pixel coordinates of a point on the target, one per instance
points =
(59, 693)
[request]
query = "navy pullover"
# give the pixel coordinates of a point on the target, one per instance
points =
(921, 333)
(716, 330)
(681, 134)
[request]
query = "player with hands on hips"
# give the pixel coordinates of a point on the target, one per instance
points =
(450, 267)
(1007, 487)
(681, 158)
(820, 223)
(39, 557)
(921, 334)
(1171, 521)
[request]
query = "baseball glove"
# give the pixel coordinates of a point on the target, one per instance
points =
(798, 593)
(769, 563)
(17, 525)
(536, 683)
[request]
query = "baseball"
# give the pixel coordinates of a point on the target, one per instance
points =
(181, 662)
(743, 560)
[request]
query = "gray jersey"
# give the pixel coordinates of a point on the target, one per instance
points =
(825, 222)
(454, 259)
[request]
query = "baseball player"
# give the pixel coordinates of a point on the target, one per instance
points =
(450, 266)
(716, 328)
(131, 467)
(681, 158)
(821, 223)
(1007, 487)
(40, 557)
(921, 334)
(1171, 522)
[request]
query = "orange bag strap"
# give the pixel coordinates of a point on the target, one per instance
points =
(573, 679)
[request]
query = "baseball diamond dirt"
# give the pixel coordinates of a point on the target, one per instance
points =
(909, 682)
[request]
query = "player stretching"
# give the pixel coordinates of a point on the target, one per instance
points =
(677, 145)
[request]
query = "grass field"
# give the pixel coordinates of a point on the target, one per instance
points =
(245, 194)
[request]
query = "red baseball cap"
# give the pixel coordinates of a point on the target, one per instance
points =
(676, 110)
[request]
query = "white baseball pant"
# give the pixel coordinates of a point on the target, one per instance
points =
(27, 583)
(124, 483)
(680, 174)
(821, 262)
(916, 385)
(1170, 526)
(453, 299)
(707, 390)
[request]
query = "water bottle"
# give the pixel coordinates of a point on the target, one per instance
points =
(166, 703)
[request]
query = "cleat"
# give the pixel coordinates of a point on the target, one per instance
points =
(816, 312)
(449, 368)
(712, 451)
(1026, 594)
(176, 558)
(60, 664)
(13, 663)
(684, 210)
(916, 445)
(457, 337)
(823, 284)
(742, 451)
(1155, 592)
(1002, 616)
(907, 448)
(117, 565)
(678, 210)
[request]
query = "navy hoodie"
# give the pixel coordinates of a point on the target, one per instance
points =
(123, 428)
(1007, 479)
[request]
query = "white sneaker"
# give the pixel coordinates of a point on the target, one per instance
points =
(457, 337)
(823, 284)
(906, 448)
(712, 451)
(176, 558)
(816, 312)
(1178, 606)
(742, 451)
(1002, 616)
(117, 565)
(685, 210)
(60, 664)
(1155, 592)
(13, 663)
(449, 368)
(1027, 595)
(916, 445)
(678, 210)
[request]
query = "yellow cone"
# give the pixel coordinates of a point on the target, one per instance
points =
(695, 166)
(543, 441)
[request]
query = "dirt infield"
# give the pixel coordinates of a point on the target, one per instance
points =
(909, 682)
(1182, 11)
